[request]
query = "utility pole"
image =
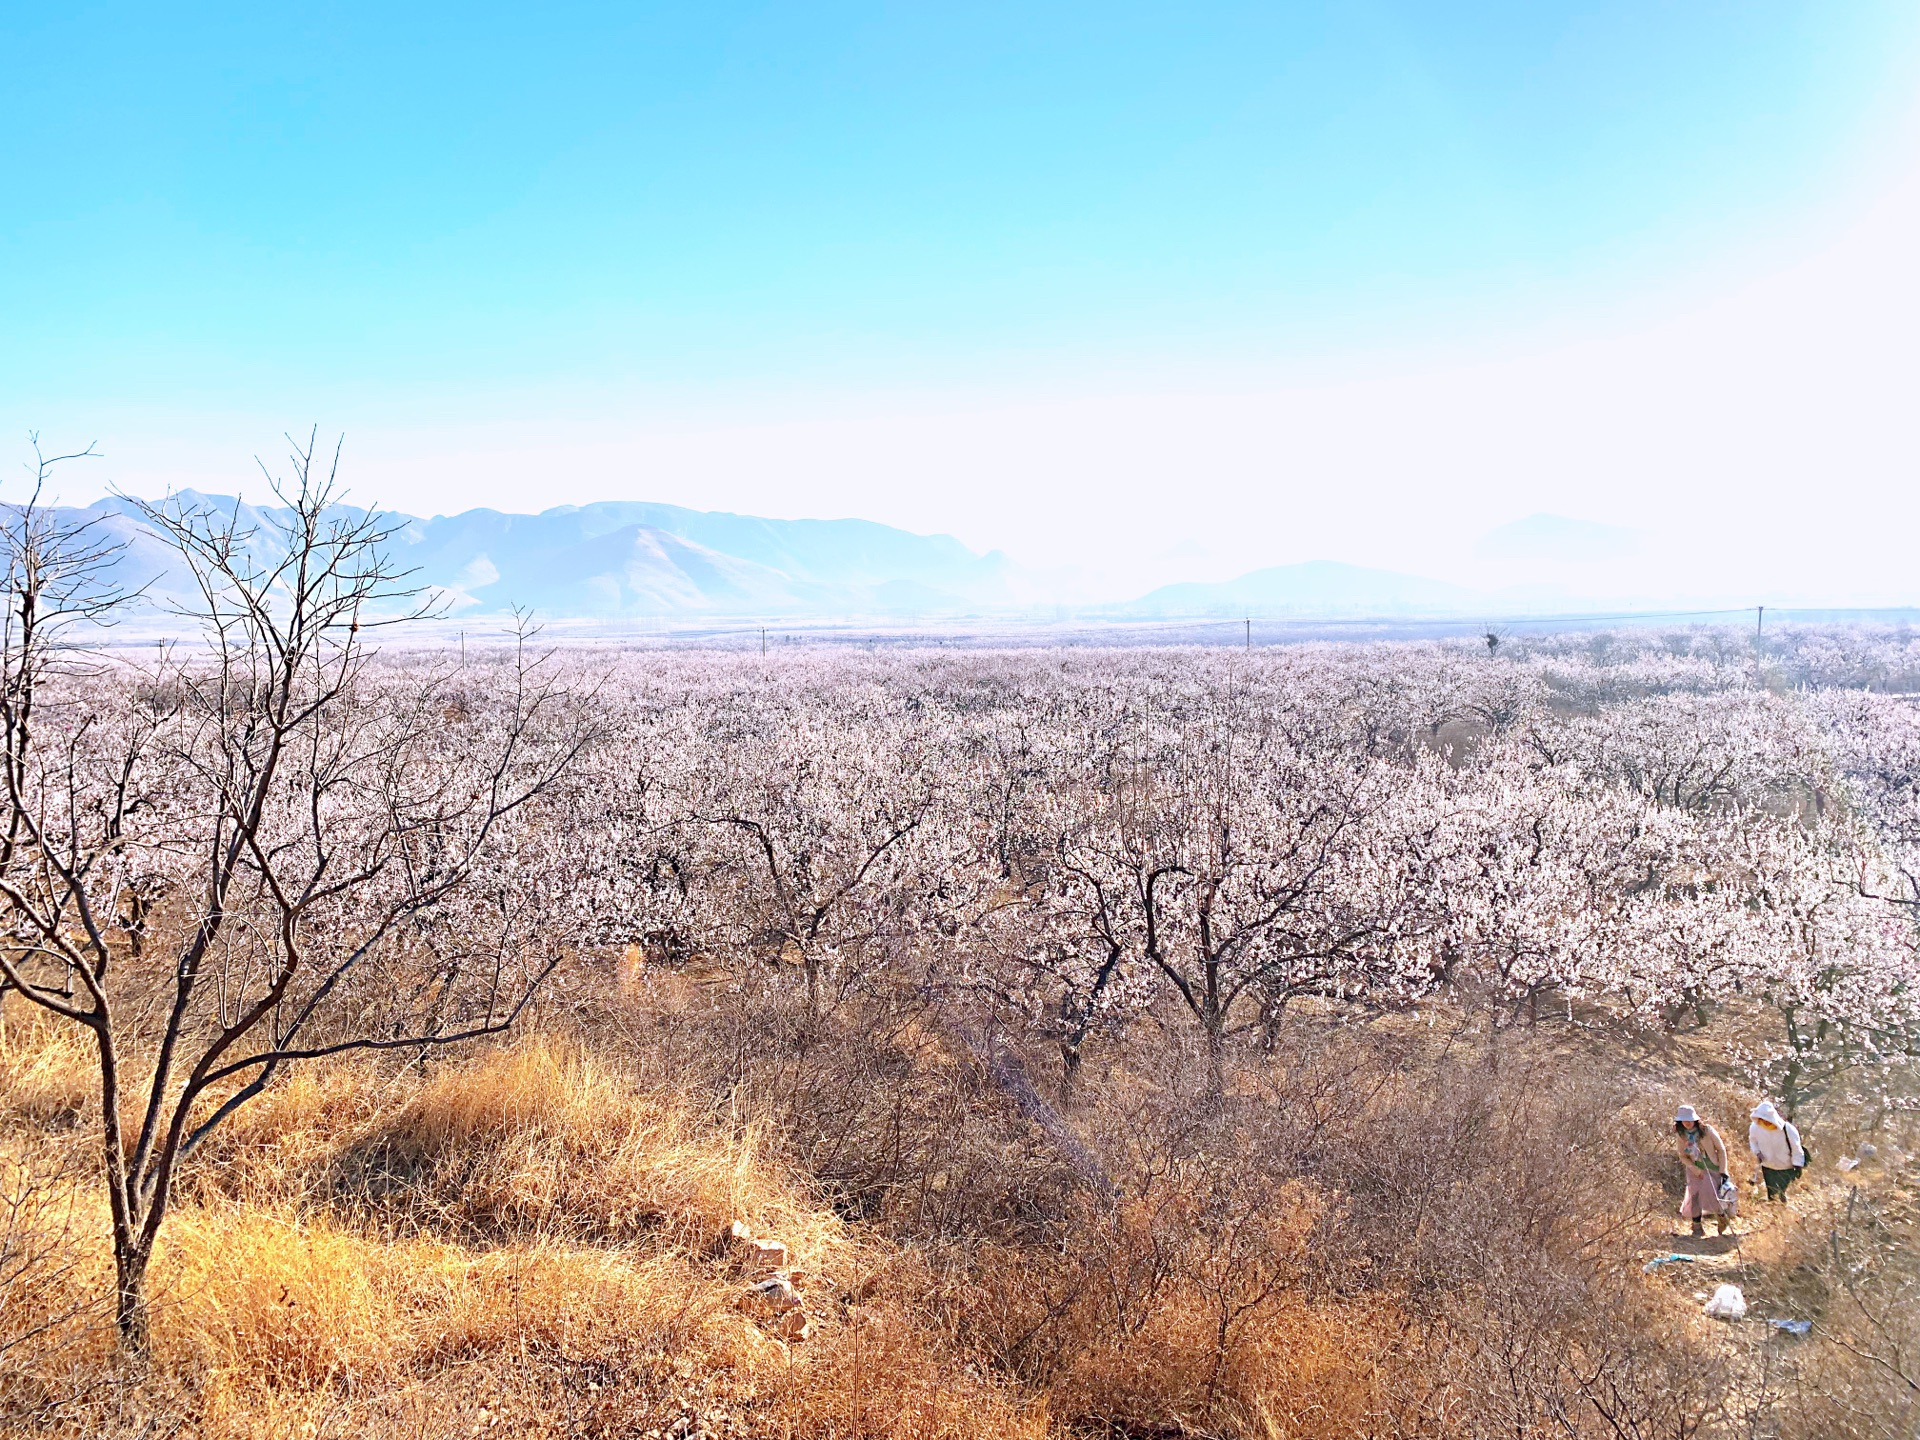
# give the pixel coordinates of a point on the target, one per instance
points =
(1759, 620)
(1249, 634)
(763, 641)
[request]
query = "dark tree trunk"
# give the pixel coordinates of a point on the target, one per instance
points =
(1216, 1027)
(130, 1297)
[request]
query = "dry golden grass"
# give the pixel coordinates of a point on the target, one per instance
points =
(527, 1241)
(48, 1075)
(540, 1141)
(555, 1223)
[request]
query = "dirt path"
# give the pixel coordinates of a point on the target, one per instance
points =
(1777, 1253)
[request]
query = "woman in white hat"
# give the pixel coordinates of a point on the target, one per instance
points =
(1704, 1155)
(1775, 1143)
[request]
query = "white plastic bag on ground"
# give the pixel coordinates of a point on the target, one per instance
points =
(1727, 1303)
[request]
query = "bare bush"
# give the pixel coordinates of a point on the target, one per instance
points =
(325, 834)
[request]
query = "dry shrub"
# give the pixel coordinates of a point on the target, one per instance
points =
(49, 1068)
(1188, 1310)
(1849, 1261)
(52, 1294)
(551, 1140)
(51, 1297)
(885, 1372)
(580, 1293)
(544, 1139)
(884, 1109)
(1374, 1234)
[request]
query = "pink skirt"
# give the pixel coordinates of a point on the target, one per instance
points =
(1703, 1197)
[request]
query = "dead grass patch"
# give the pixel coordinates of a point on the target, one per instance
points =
(540, 1227)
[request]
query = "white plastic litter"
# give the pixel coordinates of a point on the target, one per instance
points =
(1727, 1303)
(1848, 1163)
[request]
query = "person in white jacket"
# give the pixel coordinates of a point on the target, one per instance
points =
(1776, 1145)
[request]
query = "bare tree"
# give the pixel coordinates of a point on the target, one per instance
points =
(323, 823)
(58, 575)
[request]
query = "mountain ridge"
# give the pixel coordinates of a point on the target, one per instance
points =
(635, 560)
(619, 560)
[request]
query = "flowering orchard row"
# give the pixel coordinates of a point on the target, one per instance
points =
(1077, 838)
(1084, 838)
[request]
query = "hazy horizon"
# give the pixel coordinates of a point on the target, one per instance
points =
(1134, 299)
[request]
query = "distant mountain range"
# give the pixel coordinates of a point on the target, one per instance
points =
(630, 560)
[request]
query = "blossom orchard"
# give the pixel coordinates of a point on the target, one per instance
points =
(275, 842)
(1077, 840)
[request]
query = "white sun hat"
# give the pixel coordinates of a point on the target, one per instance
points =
(1765, 1111)
(1685, 1115)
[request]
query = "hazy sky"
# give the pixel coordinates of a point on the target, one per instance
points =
(1133, 292)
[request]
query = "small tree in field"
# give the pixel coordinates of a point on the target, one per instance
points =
(316, 830)
(1237, 862)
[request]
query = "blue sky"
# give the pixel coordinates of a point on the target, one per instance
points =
(527, 254)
